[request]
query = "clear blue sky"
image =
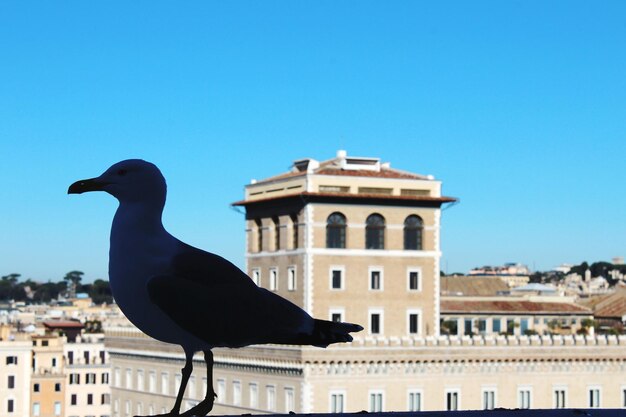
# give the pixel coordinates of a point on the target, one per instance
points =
(518, 107)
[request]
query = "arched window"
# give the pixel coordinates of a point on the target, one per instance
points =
(375, 232)
(336, 231)
(413, 226)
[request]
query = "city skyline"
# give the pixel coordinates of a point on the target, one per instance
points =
(518, 113)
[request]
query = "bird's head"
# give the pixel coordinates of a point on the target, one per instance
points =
(132, 180)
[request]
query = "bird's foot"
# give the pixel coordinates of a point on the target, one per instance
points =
(201, 409)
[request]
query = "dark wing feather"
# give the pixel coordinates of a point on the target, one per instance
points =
(214, 300)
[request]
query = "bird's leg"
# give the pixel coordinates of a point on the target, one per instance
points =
(206, 405)
(186, 371)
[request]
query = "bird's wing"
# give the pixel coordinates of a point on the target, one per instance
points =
(214, 300)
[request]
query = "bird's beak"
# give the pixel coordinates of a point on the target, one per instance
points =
(83, 186)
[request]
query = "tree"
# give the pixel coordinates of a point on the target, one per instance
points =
(100, 292)
(73, 279)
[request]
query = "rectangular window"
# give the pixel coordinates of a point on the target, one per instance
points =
(271, 397)
(559, 398)
(11, 382)
(452, 400)
(70, 357)
(36, 409)
(510, 326)
(375, 323)
(191, 386)
(523, 398)
(152, 382)
(36, 386)
(336, 402)
(221, 390)
(336, 315)
(11, 360)
(57, 387)
(73, 399)
(236, 392)
(482, 326)
(103, 357)
(495, 324)
(291, 278)
(117, 377)
(376, 279)
(273, 279)
(89, 399)
(105, 399)
(415, 401)
(129, 378)
(489, 399)
(376, 401)
(254, 395)
(10, 406)
(86, 356)
(256, 276)
(414, 323)
(140, 382)
(468, 327)
(105, 378)
(290, 401)
(165, 380)
(594, 397)
(74, 378)
(336, 278)
(57, 408)
(414, 280)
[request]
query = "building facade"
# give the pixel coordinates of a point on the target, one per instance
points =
(15, 375)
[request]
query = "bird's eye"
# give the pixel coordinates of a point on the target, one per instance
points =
(121, 172)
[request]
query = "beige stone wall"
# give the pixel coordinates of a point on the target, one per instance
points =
(281, 263)
(470, 380)
(357, 299)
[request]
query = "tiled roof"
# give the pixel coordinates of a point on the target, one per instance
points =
(504, 306)
(60, 324)
(609, 306)
(383, 173)
(332, 167)
(472, 285)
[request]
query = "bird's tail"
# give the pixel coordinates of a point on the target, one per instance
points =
(327, 332)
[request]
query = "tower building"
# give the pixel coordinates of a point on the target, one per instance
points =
(349, 239)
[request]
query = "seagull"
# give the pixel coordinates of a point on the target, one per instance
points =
(182, 295)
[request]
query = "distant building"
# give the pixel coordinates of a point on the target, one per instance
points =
(510, 268)
(87, 380)
(510, 315)
(15, 374)
(48, 376)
